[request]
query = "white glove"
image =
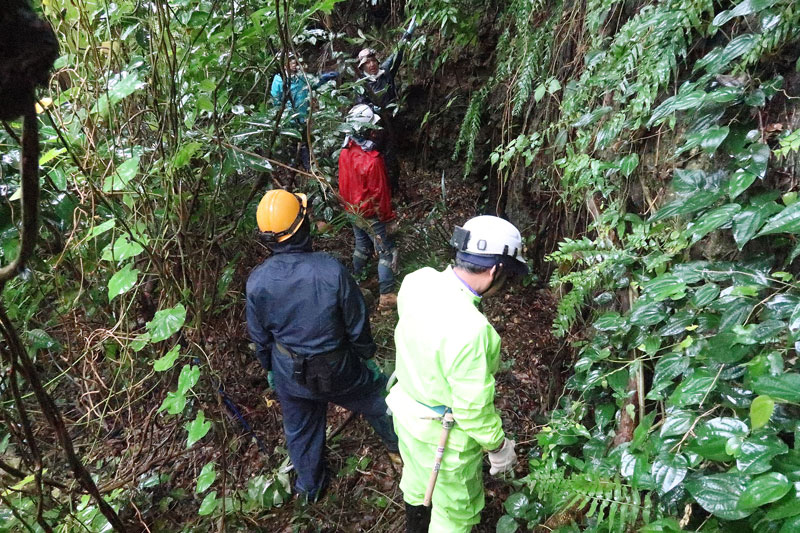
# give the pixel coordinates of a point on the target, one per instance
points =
(504, 459)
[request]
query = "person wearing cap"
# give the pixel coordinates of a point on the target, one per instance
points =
(447, 353)
(295, 94)
(311, 330)
(364, 187)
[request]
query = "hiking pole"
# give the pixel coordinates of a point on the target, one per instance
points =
(447, 425)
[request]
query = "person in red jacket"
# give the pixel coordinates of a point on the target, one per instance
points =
(364, 186)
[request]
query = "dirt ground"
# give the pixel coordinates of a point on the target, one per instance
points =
(364, 494)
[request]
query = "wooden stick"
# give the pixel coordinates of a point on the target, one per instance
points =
(447, 424)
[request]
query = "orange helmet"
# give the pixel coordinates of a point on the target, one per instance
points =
(280, 214)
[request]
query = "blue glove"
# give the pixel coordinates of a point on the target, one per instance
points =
(373, 367)
(328, 76)
(271, 380)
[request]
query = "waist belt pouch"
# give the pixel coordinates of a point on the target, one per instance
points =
(323, 370)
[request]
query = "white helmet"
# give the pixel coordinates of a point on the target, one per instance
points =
(485, 240)
(362, 114)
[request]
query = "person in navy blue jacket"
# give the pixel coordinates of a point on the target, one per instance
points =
(310, 325)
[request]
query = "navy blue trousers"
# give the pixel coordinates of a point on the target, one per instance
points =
(304, 421)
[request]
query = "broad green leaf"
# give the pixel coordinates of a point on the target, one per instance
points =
(794, 320)
(719, 58)
(678, 323)
(206, 477)
(719, 493)
(760, 411)
(685, 206)
(764, 489)
(100, 228)
(746, 7)
(243, 162)
(787, 221)
(538, 93)
(188, 378)
(788, 506)
(692, 389)
(506, 524)
(677, 422)
(628, 164)
(197, 428)
(792, 525)
(712, 437)
(712, 138)
(122, 281)
(516, 504)
(757, 452)
(785, 387)
(209, 504)
(711, 221)
(166, 323)
(610, 321)
(740, 182)
(120, 179)
(173, 403)
(668, 368)
(121, 249)
(705, 294)
(663, 287)
(50, 155)
(40, 340)
(669, 471)
(167, 361)
(140, 341)
(647, 313)
(184, 155)
(746, 223)
(121, 86)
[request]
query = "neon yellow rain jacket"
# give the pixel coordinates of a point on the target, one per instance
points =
(447, 354)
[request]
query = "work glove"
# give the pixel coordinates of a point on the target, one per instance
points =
(374, 369)
(328, 76)
(271, 380)
(503, 459)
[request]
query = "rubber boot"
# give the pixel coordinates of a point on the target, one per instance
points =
(418, 518)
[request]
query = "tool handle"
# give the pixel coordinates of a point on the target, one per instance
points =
(447, 423)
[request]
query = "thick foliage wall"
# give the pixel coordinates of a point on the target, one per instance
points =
(673, 126)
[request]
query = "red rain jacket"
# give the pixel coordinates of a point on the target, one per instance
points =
(363, 183)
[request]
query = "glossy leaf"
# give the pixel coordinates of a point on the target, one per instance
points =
(711, 437)
(167, 361)
(740, 182)
(685, 206)
(787, 221)
(669, 471)
(516, 504)
(209, 504)
(764, 489)
(188, 378)
(712, 220)
(787, 506)
(693, 389)
(206, 477)
(628, 164)
(122, 281)
(785, 387)
(197, 428)
(677, 422)
(121, 249)
(760, 411)
(506, 524)
(705, 294)
(757, 452)
(647, 313)
(719, 493)
(166, 323)
(174, 403)
(120, 179)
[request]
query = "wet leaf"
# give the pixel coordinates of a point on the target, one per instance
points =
(764, 489)
(209, 504)
(206, 477)
(166, 323)
(122, 281)
(197, 428)
(669, 471)
(785, 387)
(718, 494)
(167, 361)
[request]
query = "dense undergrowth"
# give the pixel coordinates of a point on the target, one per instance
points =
(661, 137)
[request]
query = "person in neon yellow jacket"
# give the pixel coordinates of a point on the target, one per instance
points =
(447, 354)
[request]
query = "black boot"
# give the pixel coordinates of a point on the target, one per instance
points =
(418, 518)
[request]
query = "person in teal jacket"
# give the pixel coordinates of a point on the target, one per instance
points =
(296, 93)
(447, 354)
